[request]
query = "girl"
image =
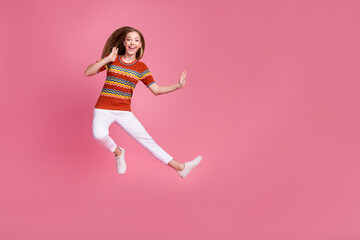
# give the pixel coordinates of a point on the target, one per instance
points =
(120, 57)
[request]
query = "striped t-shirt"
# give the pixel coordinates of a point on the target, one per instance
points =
(121, 79)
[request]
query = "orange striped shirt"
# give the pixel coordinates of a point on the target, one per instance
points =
(121, 79)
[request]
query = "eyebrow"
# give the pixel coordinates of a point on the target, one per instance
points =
(135, 37)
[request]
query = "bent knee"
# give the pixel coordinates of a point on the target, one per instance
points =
(100, 135)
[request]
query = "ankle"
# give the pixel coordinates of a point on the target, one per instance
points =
(181, 167)
(118, 152)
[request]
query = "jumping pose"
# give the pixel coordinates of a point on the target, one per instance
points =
(120, 57)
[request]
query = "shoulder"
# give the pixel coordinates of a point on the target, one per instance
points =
(142, 64)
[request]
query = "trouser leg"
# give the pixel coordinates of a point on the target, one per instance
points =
(100, 128)
(132, 126)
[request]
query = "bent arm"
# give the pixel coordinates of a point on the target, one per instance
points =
(93, 68)
(157, 90)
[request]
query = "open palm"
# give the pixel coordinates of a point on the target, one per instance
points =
(182, 80)
(113, 54)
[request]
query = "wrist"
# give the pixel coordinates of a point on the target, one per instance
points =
(107, 60)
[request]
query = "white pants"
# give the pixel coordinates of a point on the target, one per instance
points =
(102, 120)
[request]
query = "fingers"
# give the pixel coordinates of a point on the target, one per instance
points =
(183, 78)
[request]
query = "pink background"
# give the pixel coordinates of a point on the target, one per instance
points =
(271, 102)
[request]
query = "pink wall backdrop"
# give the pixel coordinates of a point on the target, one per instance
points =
(271, 103)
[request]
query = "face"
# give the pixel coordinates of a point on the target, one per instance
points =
(132, 43)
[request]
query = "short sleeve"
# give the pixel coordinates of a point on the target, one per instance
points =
(103, 67)
(146, 76)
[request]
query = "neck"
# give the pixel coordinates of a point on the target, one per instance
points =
(127, 58)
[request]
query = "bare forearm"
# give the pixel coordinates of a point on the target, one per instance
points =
(93, 68)
(167, 89)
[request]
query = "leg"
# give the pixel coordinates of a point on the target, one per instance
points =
(132, 126)
(100, 128)
(117, 152)
(178, 166)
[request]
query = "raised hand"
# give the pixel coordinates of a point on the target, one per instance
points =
(113, 54)
(182, 80)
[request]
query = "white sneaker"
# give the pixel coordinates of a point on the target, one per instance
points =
(189, 166)
(120, 162)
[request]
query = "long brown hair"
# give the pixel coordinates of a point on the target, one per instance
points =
(116, 40)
